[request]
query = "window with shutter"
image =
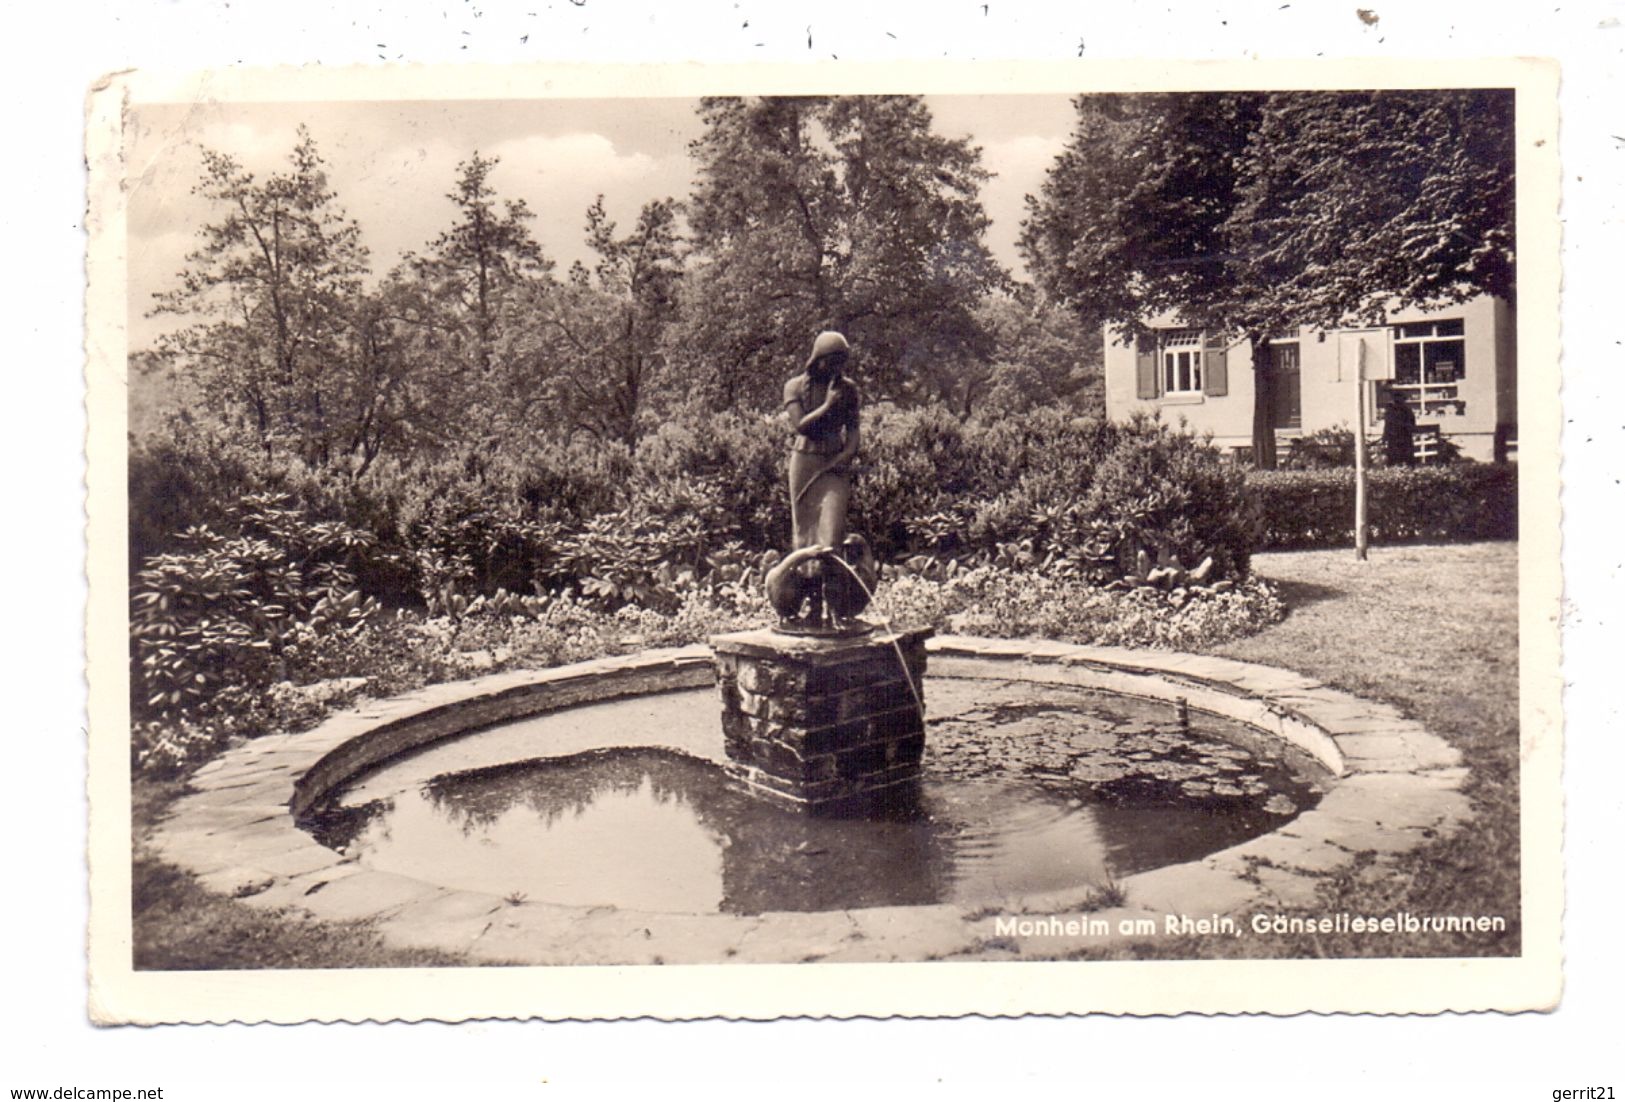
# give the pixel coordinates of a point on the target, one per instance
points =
(1145, 369)
(1181, 354)
(1216, 369)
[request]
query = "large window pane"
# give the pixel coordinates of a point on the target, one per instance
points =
(1444, 361)
(1407, 363)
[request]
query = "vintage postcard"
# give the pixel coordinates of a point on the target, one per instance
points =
(834, 540)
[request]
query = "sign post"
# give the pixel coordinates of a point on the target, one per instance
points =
(1359, 453)
(1364, 354)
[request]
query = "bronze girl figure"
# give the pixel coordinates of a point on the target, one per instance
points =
(821, 406)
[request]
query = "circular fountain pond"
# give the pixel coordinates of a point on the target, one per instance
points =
(583, 814)
(1027, 788)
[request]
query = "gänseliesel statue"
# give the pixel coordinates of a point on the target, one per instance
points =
(826, 580)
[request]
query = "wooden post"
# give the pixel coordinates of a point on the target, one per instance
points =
(1359, 454)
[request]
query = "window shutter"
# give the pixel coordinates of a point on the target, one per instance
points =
(1145, 369)
(1216, 368)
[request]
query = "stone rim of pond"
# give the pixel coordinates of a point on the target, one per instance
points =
(1392, 787)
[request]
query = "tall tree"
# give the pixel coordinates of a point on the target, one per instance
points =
(641, 273)
(269, 293)
(1045, 359)
(1357, 200)
(833, 212)
(1252, 214)
(400, 403)
(467, 280)
(486, 253)
(588, 351)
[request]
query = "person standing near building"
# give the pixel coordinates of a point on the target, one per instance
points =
(1399, 432)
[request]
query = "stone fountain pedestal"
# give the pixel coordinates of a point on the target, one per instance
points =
(823, 724)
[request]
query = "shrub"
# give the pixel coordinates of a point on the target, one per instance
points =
(219, 615)
(390, 653)
(1168, 494)
(642, 552)
(1050, 447)
(739, 458)
(1076, 496)
(188, 478)
(1324, 449)
(1463, 501)
(1052, 489)
(914, 477)
(478, 542)
(485, 522)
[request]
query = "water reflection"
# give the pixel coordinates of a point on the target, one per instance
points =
(657, 830)
(596, 829)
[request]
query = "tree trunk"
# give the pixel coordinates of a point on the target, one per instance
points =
(1263, 404)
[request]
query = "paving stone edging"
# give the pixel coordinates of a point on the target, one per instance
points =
(1395, 786)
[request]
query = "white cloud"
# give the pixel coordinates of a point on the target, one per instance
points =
(560, 176)
(391, 174)
(391, 169)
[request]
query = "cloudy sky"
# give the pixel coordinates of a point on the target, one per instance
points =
(391, 164)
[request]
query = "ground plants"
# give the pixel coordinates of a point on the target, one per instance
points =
(990, 600)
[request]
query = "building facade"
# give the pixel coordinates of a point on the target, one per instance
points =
(1456, 367)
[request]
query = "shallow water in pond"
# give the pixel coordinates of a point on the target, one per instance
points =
(1026, 789)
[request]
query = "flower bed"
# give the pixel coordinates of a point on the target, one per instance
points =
(394, 652)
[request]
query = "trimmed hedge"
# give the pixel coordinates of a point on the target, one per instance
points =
(1463, 501)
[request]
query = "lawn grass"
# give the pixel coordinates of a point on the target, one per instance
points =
(178, 926)
(181, 927)
(1432, 630)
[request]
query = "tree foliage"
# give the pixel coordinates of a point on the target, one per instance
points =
(833, 212)
(484, 257)
(452, 307)
(1131, 217)
(1043, 359)
(1357, 202)
(1254, 213)
(587, 354)
(269, 294)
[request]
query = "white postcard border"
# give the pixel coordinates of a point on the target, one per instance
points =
(1531, 981)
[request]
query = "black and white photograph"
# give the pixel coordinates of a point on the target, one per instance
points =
(643, 532)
